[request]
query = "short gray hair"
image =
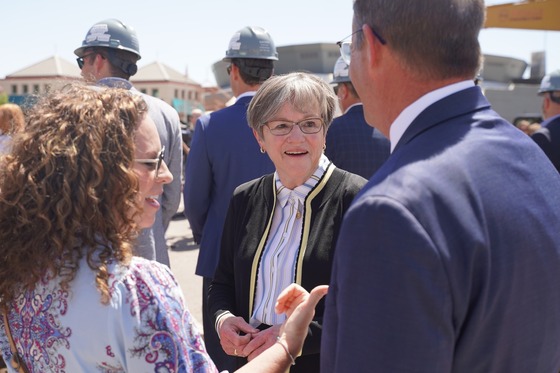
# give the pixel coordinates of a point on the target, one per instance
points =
(300, 89)
(436, 38)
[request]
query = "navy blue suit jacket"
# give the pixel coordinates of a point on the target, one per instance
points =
(224, 154)
(548, 138)
(355, 146)
(448, 259)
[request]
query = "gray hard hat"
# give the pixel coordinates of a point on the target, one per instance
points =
(251, 42)
(550, 82)
(110, 33)
(340, 73)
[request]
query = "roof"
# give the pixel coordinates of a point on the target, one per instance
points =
(157, 71)
(54, 66)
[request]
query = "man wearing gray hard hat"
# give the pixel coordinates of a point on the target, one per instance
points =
(107, 57)
(352, 144)
(223, 155)
(548, 136)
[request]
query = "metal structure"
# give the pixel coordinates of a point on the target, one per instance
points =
(527, 15)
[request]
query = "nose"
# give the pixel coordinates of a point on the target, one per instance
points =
(165, 176)
(296, 133)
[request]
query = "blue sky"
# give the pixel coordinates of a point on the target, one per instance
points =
(191, 35)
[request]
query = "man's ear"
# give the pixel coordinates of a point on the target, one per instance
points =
(371, 46)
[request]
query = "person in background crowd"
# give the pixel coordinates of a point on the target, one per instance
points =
(548, 136)
(527, 126)
(281, 228)
(108, 57)
(223, 155)
(351, 143)
(12, 121)
(188, 131)
(447, 260)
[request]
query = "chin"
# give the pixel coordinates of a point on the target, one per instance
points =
(147, 222)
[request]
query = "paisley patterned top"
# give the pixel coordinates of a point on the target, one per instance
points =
(146, 327)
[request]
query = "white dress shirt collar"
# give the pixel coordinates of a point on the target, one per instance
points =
(407, 116)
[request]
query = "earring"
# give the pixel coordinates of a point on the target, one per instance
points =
(262, 150)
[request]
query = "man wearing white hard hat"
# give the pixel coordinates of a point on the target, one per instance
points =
(223, 155)
(352, 144)
(548, 136)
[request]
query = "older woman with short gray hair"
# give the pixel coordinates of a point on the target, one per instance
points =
(281, 228)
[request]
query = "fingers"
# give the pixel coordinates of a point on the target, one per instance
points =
(294, 295)
(236, 345)
(300, 308)
(317, 293)
(261, 341)
(235, 333)
(289, 298)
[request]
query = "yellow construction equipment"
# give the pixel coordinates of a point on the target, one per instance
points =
(527, 15)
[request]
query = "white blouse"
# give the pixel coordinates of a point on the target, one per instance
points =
(277, 266)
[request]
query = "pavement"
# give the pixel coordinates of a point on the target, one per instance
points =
(183, 253)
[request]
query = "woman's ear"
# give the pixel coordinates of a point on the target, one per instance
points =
(259, 138)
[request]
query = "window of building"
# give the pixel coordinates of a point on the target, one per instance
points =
(35, 88)
(143, 90)
(183, 94)
(47, 87)
(25, 89)
(155, 92)
(176, 93)
(14, 89)
(309, 55)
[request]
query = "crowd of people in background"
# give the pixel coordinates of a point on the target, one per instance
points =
(412, 206)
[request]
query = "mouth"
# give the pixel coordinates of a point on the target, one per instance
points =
(296, 153)
(152, 201)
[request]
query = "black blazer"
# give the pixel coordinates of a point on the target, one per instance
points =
(245, 234)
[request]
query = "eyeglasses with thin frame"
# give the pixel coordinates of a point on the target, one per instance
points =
(80, 60)
(283, 127)
(228, 69)
(345, 44)
(153, 164)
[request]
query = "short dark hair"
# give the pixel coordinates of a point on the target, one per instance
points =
(254, 71)
(123, 63)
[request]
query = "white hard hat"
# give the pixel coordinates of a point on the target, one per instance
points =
(251, 42)
(550, 82)
(340, 73)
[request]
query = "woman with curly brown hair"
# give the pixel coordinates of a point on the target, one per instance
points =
(78, 184)
(12, 121)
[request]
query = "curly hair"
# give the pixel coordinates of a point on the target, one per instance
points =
(12, 119)
(68, 190)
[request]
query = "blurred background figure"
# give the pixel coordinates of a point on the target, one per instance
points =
(548, 136)
(223, 155)
(527, 126)
(12, 121)
(187, 131)
(352, 144)
(108, 57)
(281, 228)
